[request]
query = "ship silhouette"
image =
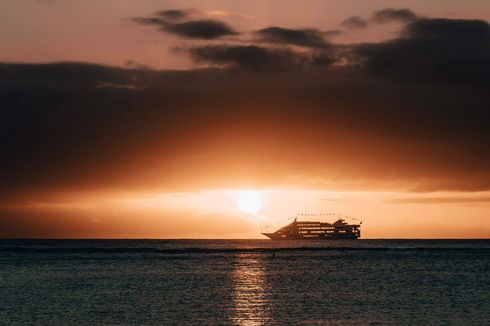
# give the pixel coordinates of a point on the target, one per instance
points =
(308, 230)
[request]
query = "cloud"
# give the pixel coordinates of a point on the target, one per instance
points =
(257, 58)
(453, 50)
(201, 29)
(178, 22)
(381, 16)
(407, 113)
(354, 22)
(328, 128)
(332, 33)
(474, 30)
(302, 37)
(151, 21)
(390, 14)
(176, 14)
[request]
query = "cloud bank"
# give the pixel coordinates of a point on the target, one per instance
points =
(282, 107)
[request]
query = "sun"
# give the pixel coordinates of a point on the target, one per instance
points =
(249, 201)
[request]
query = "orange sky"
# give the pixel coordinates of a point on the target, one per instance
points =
(214, 214)
(122, 124)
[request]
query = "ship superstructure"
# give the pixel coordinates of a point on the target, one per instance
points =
(308, 230)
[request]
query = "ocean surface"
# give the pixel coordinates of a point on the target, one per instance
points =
(244, 282)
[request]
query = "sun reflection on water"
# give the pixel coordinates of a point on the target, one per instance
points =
(250, 302)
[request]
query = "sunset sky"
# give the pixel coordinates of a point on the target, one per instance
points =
(213, 119)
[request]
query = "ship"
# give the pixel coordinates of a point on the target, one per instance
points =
(308, 230)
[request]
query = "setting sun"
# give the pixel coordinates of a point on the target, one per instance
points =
(249, 201)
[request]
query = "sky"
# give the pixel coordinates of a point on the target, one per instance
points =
(161, 119)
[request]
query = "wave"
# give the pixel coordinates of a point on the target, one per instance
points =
(183, 251)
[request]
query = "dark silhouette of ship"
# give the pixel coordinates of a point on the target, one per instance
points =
(307, 230)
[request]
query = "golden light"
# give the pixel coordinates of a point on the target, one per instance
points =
(249, 201)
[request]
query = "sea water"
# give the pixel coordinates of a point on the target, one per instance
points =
(244, 282)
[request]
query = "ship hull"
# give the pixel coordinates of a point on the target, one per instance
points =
(278, 237)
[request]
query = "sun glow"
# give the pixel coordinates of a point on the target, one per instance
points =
(249, 201)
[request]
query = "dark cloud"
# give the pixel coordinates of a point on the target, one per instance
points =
(302, 37)
(332, 33)
(390, 14)
(206, 29)
(201, 29)
(71, 127)
(176, 14)
(354, 22)
(453, 50)
(257, 58)
(472, 30)
(151, 21)
(411, 112)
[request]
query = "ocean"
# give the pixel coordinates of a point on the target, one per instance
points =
(244, 282)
